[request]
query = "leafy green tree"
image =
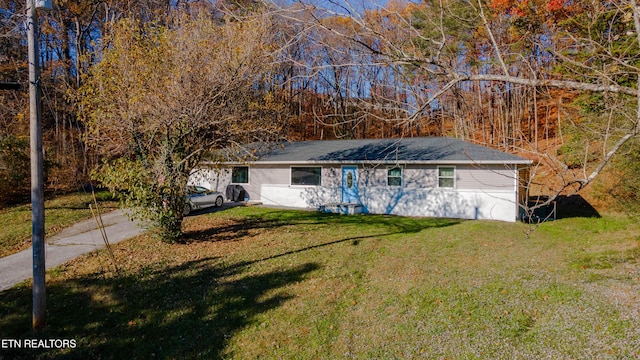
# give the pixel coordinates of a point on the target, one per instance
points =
(165, 95)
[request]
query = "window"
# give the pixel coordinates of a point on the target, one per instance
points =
(394, 176)
(306, 175)
(349, 180)
(240, 175)
(446, 176)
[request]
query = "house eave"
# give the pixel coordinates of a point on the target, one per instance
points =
(377, 162)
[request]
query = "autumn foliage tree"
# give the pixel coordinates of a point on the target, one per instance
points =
(505, 73)
(553, 80)
(164, 96)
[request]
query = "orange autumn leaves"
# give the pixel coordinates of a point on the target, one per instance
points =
(523, 7)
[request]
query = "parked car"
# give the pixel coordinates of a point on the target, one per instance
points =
(199, 197)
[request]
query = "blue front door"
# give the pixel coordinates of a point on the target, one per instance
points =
(350, 185)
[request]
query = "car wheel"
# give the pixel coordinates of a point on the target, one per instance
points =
(219, 201)
(187, 209)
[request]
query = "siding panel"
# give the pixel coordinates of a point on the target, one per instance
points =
(481, 192)
(486, 178)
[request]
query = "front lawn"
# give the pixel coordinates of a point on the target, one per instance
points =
(262, 283)
(60, 212)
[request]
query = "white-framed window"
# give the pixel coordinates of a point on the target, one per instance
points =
(394, 176)
(306, 175)
(240, 175)
(446, 177)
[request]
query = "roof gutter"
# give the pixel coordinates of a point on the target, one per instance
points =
(378, 162)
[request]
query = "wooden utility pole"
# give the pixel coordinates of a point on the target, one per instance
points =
(37, 177)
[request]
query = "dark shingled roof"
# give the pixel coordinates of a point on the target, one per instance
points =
(406, 150)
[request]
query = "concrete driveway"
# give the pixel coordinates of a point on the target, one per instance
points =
(81, 238)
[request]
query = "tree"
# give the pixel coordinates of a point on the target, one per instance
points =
(449, 53)
(14, 169)
(164, 96)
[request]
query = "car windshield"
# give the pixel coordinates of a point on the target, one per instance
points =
(196, 190)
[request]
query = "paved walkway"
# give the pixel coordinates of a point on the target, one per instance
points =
(70, 243)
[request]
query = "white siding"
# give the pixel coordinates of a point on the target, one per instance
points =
(484, 205)
(212, 179)
(485, 177)
(480, 192)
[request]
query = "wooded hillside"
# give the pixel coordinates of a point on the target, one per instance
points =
(551, 80)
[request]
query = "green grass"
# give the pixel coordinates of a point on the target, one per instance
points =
(264, 283)
(60, 212)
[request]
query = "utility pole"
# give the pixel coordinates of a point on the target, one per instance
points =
(37, 176)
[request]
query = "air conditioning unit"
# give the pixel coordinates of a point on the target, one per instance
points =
(44, 4)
